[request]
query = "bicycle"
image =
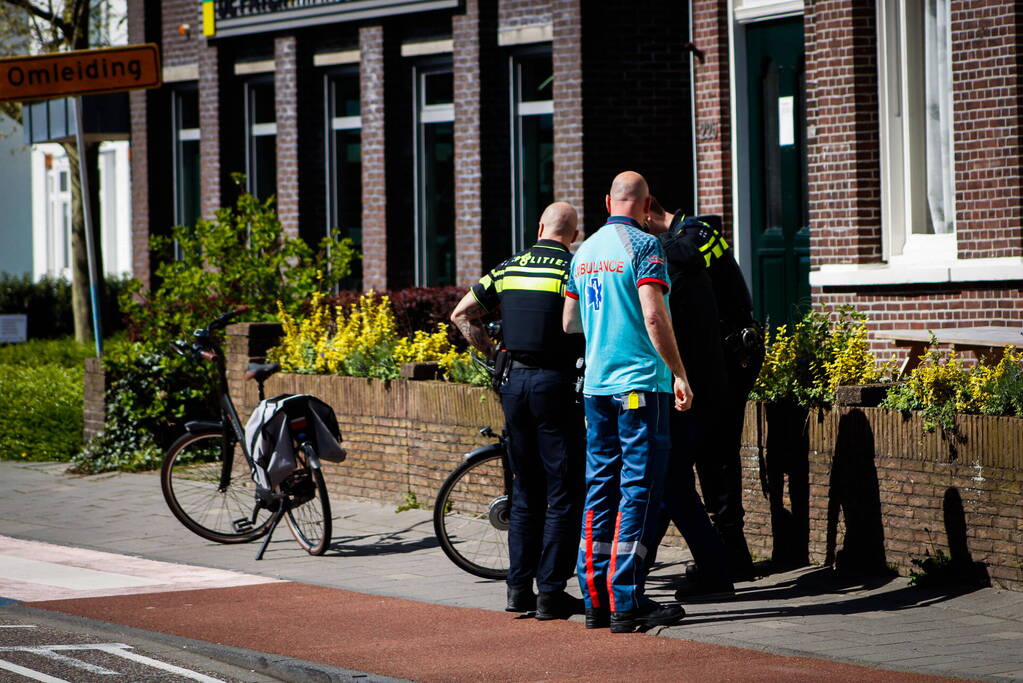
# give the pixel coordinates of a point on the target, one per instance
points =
(208, 476)
(472, 510)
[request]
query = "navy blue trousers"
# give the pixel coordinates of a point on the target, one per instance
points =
(546, 452)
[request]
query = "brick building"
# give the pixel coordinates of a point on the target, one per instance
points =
(433, 132)
(860, 151)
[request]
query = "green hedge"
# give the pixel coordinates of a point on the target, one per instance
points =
(47, 303)
(66, 353)
(41, 412)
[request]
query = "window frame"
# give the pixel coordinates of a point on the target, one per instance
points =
(423, 115)
(180, 135)
(254, 130)
(517, 111)
(903, 154)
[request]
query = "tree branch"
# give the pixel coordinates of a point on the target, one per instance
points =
(43, 14)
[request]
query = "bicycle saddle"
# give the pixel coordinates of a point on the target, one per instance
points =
(261, 371)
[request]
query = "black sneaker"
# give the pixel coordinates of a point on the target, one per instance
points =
(705, 590)
(520, 599)
(648, 614)
(557, 605)
(599, 617)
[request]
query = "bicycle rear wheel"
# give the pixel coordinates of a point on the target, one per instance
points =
(308, 514)
(470, 517)
(190, 479)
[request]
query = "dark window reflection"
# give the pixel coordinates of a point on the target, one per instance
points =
(438, 224)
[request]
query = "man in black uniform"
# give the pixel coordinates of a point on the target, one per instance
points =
(545, 428)
(731, 353)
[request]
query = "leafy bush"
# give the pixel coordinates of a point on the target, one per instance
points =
(47, 303)
(41, 414)
(241, 257)
(361, 340)
(942, 387)
(821, 353)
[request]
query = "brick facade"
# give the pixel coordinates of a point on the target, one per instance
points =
(843, 156)
(286, 66)
(988, 104)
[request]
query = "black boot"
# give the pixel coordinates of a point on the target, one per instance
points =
(557, 605)
(646, 615)
(520, 599)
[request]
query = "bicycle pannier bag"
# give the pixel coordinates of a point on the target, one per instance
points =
(276, 423)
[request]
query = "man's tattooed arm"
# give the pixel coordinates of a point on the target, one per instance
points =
(466, 318)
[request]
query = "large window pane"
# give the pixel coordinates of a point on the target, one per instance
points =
(262, 139)
(537, 169)
(189, 174)
(438, 214)
(348, 193)
(263, 180)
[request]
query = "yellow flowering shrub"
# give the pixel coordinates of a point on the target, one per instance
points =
(804, 365)
(361, 341)
(941, 387)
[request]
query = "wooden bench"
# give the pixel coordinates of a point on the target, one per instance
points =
(984, 342)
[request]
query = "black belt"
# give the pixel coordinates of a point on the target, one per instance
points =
(518, 365)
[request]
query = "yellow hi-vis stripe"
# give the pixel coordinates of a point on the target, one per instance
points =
(209, 18)
(531, 284)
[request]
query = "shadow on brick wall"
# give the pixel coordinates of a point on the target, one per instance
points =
(854, 495)
(788, 467)
(962, 566)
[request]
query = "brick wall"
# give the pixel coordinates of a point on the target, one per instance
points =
(843, 157)
(866, 488)
(286, 66)
(94, 398)
(635, 100)
(566, 54)
(988, 102)
(372, 80)
(175, 48)
(519, 13)
(713, 116)
(211, 68)
(862, 487)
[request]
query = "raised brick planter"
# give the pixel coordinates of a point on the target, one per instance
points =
(860, 487)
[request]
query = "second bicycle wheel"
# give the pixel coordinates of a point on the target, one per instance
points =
(190, 480)
(308, 517)
(470, 517)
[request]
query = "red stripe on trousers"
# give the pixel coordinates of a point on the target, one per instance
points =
(614, 562)
(590, 584)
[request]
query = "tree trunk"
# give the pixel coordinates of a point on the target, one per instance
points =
(80, 299)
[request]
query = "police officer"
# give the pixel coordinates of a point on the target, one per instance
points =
(544, 422)
(697, 251)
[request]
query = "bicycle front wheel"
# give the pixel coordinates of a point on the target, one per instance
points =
(470, 517)
(308, 514)
(190, 480)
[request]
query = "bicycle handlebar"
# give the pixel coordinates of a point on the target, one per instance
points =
(222, 320)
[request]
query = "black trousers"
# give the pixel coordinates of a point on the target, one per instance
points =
(546, 449)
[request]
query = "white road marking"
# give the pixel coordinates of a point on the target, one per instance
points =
(117, 649)
(122, 651)
(17, 626)
(48, 652)
(29, 673)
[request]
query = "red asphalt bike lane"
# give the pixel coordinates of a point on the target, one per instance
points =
(429, 642)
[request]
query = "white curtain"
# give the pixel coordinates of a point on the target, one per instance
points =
(938, 119)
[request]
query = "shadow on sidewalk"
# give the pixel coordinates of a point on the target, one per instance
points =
(382, 543)
(821, 582)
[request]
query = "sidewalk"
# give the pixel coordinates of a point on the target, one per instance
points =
(805, 613)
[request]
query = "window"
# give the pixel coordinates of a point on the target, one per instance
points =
(344, 153)
(261, 150)
(435, 175)
(187, 174)
(58, 216)
(532, 77)
(917, 194)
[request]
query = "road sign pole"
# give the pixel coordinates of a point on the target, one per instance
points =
(90, 248)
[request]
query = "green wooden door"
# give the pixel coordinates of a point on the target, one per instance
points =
(779, 225)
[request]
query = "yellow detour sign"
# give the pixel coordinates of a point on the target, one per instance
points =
(84, 72)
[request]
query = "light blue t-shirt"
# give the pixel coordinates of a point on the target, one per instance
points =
(606, 274)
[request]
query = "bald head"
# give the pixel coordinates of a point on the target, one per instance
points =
(629, 196)
(559, 222)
